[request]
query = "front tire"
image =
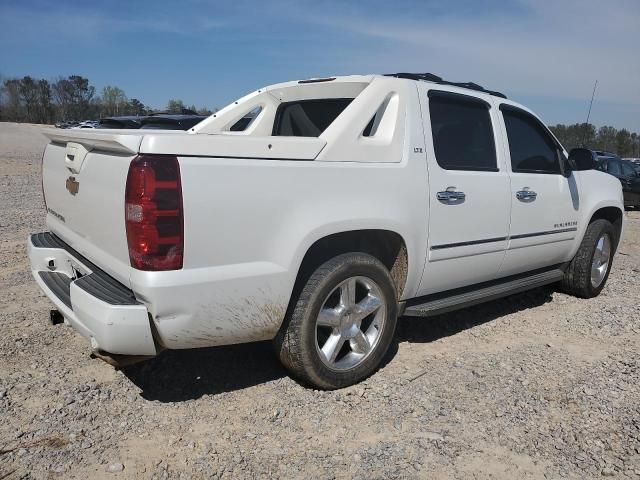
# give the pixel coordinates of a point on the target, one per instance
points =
(342, 323)
(589, 270)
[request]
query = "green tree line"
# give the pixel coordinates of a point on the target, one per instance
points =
(72, 98)
(609, 139)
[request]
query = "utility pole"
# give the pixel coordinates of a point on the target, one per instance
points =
(586, 124)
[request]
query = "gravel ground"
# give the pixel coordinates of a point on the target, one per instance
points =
(540, 385)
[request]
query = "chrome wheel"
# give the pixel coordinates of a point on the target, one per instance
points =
(350, 323)
(600, 261)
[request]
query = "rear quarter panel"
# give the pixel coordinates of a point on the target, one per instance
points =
(248, 224)
(249, 221)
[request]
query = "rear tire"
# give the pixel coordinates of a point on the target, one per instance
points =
(342, 323)
(589, 270)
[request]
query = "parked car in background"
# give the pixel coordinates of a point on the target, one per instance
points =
(636, 167)
(88, 124)
(77, 125)
(165, 121)
(602, 153)
(156, 121)
(67, 124)
(120, 122)
(627, 172)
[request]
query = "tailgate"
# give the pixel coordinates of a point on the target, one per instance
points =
(84, 176)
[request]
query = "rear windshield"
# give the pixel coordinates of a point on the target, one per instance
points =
(307, 118)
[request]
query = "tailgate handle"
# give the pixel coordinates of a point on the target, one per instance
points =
(75, 155)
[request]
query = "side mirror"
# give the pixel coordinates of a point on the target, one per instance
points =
(582, 159)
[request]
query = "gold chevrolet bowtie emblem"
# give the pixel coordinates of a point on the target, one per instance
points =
(72, 185)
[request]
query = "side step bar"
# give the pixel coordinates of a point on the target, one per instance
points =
(460, 298)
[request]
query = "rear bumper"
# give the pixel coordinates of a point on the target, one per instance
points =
(93, 303)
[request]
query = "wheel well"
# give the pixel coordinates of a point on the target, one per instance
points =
(385, 245)
(612, 215)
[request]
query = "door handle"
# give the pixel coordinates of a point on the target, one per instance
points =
(450, 195)
(526, 194)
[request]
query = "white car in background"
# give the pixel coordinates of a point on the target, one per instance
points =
(87, 124)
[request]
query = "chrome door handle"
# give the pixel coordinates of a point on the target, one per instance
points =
(451, 196)
(526, 194)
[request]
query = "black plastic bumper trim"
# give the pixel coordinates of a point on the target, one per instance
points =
(466, 244)
(538, 234)
(98, 283)
(501, 239)
(59, 284)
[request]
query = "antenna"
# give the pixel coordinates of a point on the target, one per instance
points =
(586, 124)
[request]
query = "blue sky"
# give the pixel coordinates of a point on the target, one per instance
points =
(546, 54)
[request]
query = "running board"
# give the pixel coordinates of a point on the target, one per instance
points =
(442, 303)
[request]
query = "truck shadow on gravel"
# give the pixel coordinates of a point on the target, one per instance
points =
(182, 375)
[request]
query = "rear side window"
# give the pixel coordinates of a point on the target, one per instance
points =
(462, 132)
(307, 118)
(242, 124)
(532, 148)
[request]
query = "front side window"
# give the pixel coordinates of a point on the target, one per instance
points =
(462, 132)
(532, 148)
(628, 170)
(307, 118)
(614, 168)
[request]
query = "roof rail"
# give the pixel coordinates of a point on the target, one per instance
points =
(430, 77)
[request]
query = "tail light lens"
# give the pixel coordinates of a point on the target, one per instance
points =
(153, 213)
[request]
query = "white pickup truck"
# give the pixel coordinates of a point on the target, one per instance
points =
(314, 213)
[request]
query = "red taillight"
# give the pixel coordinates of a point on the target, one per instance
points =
(153, 213)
